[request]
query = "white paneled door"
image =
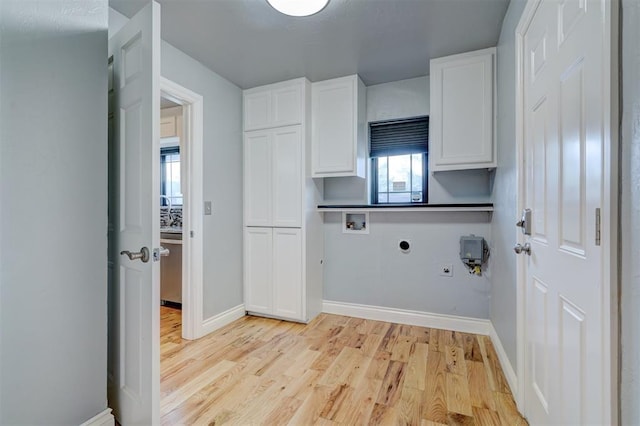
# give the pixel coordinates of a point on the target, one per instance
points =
(565, 99)
(134, 362)
(287, 272)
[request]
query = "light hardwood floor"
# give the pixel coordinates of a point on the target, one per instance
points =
(335, 370)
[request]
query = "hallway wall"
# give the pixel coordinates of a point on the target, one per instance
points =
(53, 204)
(222, 166)
(630, 215)
(503, 231)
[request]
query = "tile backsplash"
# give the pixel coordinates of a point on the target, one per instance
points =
(171, 218)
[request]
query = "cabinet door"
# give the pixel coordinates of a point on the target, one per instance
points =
(287, 273)
(334, 127)
(257, 110)
(168, 127)
(258, 272)
(257, 178)
(286, 147)
(286, 105)
(462, 113)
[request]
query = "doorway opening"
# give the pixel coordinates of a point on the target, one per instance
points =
(180, 210)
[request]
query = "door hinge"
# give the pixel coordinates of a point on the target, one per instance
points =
(598, 223)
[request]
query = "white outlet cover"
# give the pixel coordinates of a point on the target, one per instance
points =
(446, 270)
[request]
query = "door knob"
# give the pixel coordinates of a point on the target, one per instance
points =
(526, 248)
(164, 251)
(143, 254)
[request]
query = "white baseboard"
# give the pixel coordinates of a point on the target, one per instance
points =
(402, 316)
(104, 418)
(218, 321)
(507, 368)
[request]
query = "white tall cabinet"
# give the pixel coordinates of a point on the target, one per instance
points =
(283, 237)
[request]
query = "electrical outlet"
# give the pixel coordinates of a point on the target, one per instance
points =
(446, 270)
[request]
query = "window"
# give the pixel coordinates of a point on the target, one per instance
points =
(170, 176)
(398, 151)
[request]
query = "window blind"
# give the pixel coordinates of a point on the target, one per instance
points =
(398, 137)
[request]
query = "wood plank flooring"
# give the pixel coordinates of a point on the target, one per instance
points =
(335, 370)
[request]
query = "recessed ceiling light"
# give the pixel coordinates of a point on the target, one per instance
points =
(298, 7)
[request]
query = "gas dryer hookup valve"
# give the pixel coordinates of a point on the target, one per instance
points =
(474, 252)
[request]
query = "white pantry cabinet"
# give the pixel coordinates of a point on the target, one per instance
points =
(258, 267)
(275, 105)
(338, 135)
(462, 117)
(273, 177)
(283, 234)
(273, 272)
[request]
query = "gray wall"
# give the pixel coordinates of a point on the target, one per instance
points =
(53, 184)
(630, 214)
(503, 265)
(369, 269)
(222, 177)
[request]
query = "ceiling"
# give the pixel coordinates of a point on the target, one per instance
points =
(250, 44)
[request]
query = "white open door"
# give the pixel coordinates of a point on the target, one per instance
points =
(566, 101)
(134, 222)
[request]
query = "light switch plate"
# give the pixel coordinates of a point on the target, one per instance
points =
(207, 208)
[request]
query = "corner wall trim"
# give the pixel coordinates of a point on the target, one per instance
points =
(215, 322)
(507, 368)
(104, 418)
(402, 316)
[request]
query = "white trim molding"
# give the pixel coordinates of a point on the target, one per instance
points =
(104, 418)
(403, 316)
(192, 181)
(507, 368)
(218, 321)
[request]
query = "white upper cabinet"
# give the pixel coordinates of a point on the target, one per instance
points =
(338, 129)
(462, 117)
(274, 105)
(171, 122)
(273, 177)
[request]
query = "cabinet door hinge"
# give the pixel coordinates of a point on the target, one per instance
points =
(598, 226)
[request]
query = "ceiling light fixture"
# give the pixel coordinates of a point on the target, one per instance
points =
(298, 7)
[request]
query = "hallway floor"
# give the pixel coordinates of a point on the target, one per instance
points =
(335, 370)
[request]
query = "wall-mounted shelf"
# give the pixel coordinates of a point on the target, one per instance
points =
(385, 208)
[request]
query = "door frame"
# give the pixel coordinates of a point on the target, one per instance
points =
(610, 207)
(192, 217)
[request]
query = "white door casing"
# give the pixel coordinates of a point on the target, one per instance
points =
(134, 365)
(191, 148)
(565, 175)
